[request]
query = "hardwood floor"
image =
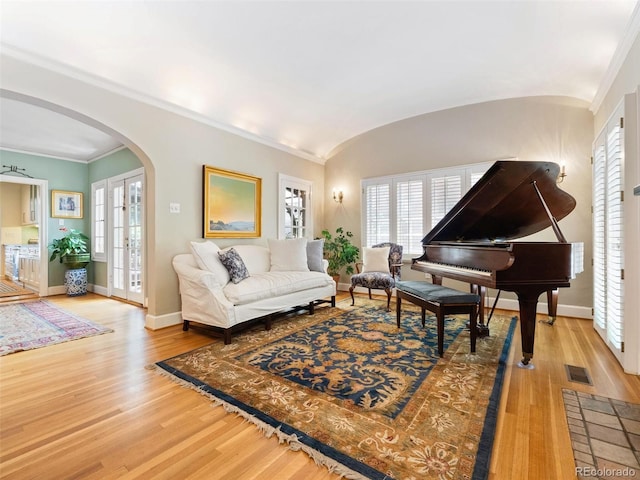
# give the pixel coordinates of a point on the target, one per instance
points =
(90, 409)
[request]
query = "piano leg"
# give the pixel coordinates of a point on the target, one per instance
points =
(528, 301)
(552, 305)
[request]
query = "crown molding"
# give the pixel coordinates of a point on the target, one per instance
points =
(631, 32)
(96, 81)
(45, 155)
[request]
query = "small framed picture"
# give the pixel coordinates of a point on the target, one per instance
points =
(66, 204)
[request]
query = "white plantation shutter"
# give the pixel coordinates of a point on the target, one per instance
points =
(377, 213)
(409, 218)
(608, 234)
(599, 237)
(445, 193)
(403, 208)
(614, 233)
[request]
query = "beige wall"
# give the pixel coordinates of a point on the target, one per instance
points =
(537, 128)
(172, 149)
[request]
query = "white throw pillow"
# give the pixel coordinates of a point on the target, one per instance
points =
(288, 255)
(206, 255)
(375, 259)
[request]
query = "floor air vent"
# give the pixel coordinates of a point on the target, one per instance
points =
(578, 374)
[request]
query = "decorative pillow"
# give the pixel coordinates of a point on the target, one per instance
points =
(234, 264)
(206, 256)
(375, 259)
(288, 255)
(315, 254)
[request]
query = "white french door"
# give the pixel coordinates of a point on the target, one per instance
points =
(126, 198)
(608, 234)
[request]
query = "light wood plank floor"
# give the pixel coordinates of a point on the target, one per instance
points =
(90, 409)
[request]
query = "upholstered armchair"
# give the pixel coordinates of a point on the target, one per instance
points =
(380, 268)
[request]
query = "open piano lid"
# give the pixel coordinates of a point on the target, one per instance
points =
(504, 205)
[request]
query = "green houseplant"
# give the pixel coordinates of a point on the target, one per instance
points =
(339, 251)
(70, 249)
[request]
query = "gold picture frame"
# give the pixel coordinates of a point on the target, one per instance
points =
(231, 204)
(66, 204)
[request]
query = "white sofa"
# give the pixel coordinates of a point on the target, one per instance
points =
(278, 279)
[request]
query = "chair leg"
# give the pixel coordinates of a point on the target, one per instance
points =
(440, 318)
(388, 290)
(353, 301)
(369, 294)
(473, 323)
(398, 308)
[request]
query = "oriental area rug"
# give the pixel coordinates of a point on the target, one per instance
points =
(29, 325)
(359, 395)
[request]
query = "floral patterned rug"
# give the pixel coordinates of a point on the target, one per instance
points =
(29, 325)
(359, 395)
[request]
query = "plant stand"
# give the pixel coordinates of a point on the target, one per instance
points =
(75, 280)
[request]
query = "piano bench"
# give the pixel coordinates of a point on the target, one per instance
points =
(441, 301)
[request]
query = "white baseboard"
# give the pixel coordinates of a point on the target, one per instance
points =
(156, 322)
(100, 290)
(62, 290)
(563, 310)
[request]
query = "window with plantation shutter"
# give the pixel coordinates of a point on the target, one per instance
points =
(377, 205)
(403, 208)
(608, 233)
(445, 193)
(409, 204)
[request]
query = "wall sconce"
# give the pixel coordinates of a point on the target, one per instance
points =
(337, 197)
(563, 174)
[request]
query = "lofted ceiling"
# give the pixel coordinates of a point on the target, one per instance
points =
(307, 76)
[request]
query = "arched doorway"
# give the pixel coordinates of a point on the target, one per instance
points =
(50, 225)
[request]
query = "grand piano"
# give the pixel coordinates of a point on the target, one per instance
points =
(473, 242)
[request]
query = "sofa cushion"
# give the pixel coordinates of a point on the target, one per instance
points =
(234, 264)
(288, 255)
(206, 256)
(315, 254)
(255, 257)
(272, 284)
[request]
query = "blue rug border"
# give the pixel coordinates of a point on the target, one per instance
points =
(485, 446)
(481, 467)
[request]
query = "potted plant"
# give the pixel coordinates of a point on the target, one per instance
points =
(340, 252)
(71, 249)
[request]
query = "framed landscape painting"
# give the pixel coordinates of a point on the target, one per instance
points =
(232, 203)
(66, 204)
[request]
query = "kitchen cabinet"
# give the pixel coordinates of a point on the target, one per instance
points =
(30, 204)
(29, 271)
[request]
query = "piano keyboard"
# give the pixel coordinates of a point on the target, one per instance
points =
(455, 268)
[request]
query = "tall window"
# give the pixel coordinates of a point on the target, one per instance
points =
(295, 218)
(98, 231)
(403, 208)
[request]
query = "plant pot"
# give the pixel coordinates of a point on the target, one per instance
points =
(75, 281)
(336, 278)
(76, 260)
